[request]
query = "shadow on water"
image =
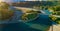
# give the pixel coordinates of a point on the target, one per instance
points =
(42, 23)
(43, 19)
(18, 27)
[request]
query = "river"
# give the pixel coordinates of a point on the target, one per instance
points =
(40, 24)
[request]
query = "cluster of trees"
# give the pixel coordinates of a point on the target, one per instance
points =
(56, 11)
(4, 11)
(4, 5)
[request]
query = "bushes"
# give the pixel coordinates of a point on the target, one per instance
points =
(4, 11)
(29, 16)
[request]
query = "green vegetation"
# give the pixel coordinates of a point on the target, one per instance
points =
(53, 17)
(3, 5)
(32, 11)
(4, 11)
(56, 11)
(57, 8)
(29, 15)
(57, 21)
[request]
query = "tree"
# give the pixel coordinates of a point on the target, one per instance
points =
(4, 11)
